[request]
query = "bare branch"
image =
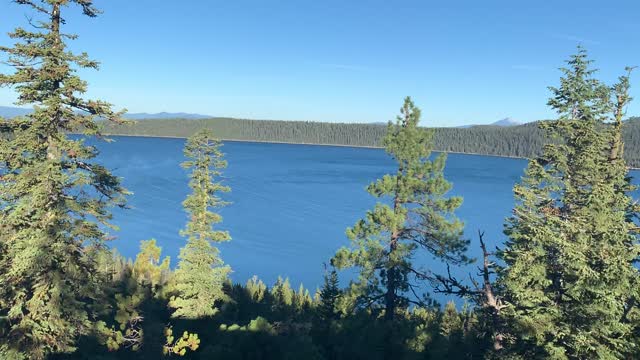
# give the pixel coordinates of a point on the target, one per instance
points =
(34, 6)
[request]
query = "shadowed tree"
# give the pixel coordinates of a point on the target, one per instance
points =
(328, 297)
(201, 274)
(53, 198)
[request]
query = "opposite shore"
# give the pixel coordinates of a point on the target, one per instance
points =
(317, 144)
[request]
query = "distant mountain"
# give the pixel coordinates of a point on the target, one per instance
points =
(506, 122)
(11, 112)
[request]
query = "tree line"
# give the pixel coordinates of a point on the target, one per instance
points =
(525, 141)
(563, 286)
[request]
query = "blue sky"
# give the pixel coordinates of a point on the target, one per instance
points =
(345, 61)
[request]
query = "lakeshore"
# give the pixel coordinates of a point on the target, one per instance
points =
(332, 145)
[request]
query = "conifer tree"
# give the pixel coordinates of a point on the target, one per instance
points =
(569, 280)
(452, 331)
(301, 299)
(621, 100)
(282, 294)
(328, 297)
(256, 289)
(416, 215)
(201, 274)
(53, 198)
(325, 323)
(147, 269)
(131, 289)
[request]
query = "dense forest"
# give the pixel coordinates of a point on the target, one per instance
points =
(563, 286)
(516, 141)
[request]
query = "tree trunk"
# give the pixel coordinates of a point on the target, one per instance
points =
(390, 296)
(492, 302)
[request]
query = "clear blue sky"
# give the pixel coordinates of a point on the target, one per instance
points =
(350, 61)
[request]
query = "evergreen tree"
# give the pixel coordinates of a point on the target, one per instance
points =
(621, 100)
(201, 274)
(325, 323)
(452, 331)
(569, 280)
(147, 269)
(301, 299)
(53, 199)
(417, 216)
(328, 297)
(134, 298)
(256, 289)
(282, 294)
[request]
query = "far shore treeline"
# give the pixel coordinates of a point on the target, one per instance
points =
(523, 141)
(565, 284)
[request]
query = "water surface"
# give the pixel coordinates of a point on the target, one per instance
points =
(290, 204)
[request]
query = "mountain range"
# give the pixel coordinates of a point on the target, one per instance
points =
(11, 112)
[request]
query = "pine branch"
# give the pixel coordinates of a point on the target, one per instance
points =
(34, 6)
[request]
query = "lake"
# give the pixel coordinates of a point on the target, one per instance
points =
(290, 204)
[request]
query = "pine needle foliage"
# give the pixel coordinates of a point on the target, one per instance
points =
(569, 279)
(201, 274)
(416, 215)
(54, 200)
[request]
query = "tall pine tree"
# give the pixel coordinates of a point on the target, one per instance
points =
(53, 198)
(569, 280)
(417, 216)
(201, 274)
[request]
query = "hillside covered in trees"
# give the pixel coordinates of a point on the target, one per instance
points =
(514, 141)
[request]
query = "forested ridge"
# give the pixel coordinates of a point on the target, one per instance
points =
(515, 141)
(564, 285)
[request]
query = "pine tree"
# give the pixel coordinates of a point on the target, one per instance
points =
(282, 294)
(452, 332)
(417, 215)
(132, 293)
(256, 289)
(328, 297)
(147, 269)
(325, 323)
(201, 274)
(569, 280)
(301, 299)
(621, 100)
(53, 198)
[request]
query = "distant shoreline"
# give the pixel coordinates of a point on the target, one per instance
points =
(316, 144)
(251, 141)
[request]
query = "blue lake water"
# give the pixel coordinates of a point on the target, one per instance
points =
(290, 204)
